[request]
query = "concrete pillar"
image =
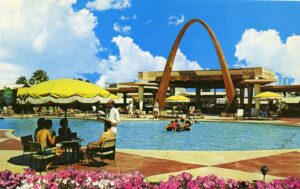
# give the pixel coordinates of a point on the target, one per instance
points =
(250, 96)
(242, 96)
(257, 90)
(125, 98)
(172, 91)
(215, 96)
(198, 96)
(141, 97)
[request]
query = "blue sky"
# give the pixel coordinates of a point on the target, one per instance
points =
(124, 34)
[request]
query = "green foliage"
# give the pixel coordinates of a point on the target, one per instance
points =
(40, 76)
(281, 106)
(22, 80)
(80, 79)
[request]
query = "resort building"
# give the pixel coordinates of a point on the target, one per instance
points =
(252, 79)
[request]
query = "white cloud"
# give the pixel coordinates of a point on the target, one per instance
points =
(121, 29)
(174, 20)
(47, 35)
(39, 43)
(124, 18)
(9, 72)
(102, 5)
(83, 22)
(266, 49)
(132, 59)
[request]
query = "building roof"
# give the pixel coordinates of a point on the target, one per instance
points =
(212, 78)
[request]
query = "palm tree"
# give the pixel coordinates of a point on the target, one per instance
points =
(22, 80)
(40, 76)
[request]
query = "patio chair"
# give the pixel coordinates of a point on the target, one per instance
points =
(72, 150)
(106, 150)
(240, 114)
(25, 144)
(273, 115)
(37, 152)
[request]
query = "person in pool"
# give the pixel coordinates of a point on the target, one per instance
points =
(185, 124)
(173, 125)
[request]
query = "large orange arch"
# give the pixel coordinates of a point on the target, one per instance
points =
(165, 80)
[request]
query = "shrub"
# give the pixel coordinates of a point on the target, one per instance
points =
(72, 178)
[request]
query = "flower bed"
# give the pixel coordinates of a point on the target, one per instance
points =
(101, 179)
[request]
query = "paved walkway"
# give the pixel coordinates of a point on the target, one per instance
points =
(158, 165)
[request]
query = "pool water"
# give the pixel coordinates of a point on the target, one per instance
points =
(207, 136)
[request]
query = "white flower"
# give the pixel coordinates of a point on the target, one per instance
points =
(64, 181)
(45, 181)
(95, 183)
(112, 183)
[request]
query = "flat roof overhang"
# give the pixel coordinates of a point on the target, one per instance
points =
(130, 90)
(281, 88)
(212, 78)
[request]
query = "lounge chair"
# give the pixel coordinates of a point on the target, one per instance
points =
(273, 115)
(107, 150)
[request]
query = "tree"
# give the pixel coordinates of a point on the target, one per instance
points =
(40, 76)
(80, 79)
(22, 80)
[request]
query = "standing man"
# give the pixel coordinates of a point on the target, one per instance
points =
(130, 109)
(112, 115)
(156, 110)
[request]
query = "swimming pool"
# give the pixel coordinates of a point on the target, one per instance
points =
(207, 136)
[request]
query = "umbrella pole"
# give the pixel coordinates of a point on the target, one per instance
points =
(65, 113)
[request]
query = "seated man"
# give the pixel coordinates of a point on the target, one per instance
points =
(40, 123)
(64, 132)
(173, 125)
(185, 123)
(48, 125)
(263, 114)
(188, 123)
(47, 140)
(169, 125)
(107, 135)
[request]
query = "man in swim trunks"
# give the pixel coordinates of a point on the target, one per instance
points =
(47, 140)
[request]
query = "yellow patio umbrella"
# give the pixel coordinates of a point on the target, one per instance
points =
(62, 91)
(177, 98)
(22, 91)
(268, 96)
